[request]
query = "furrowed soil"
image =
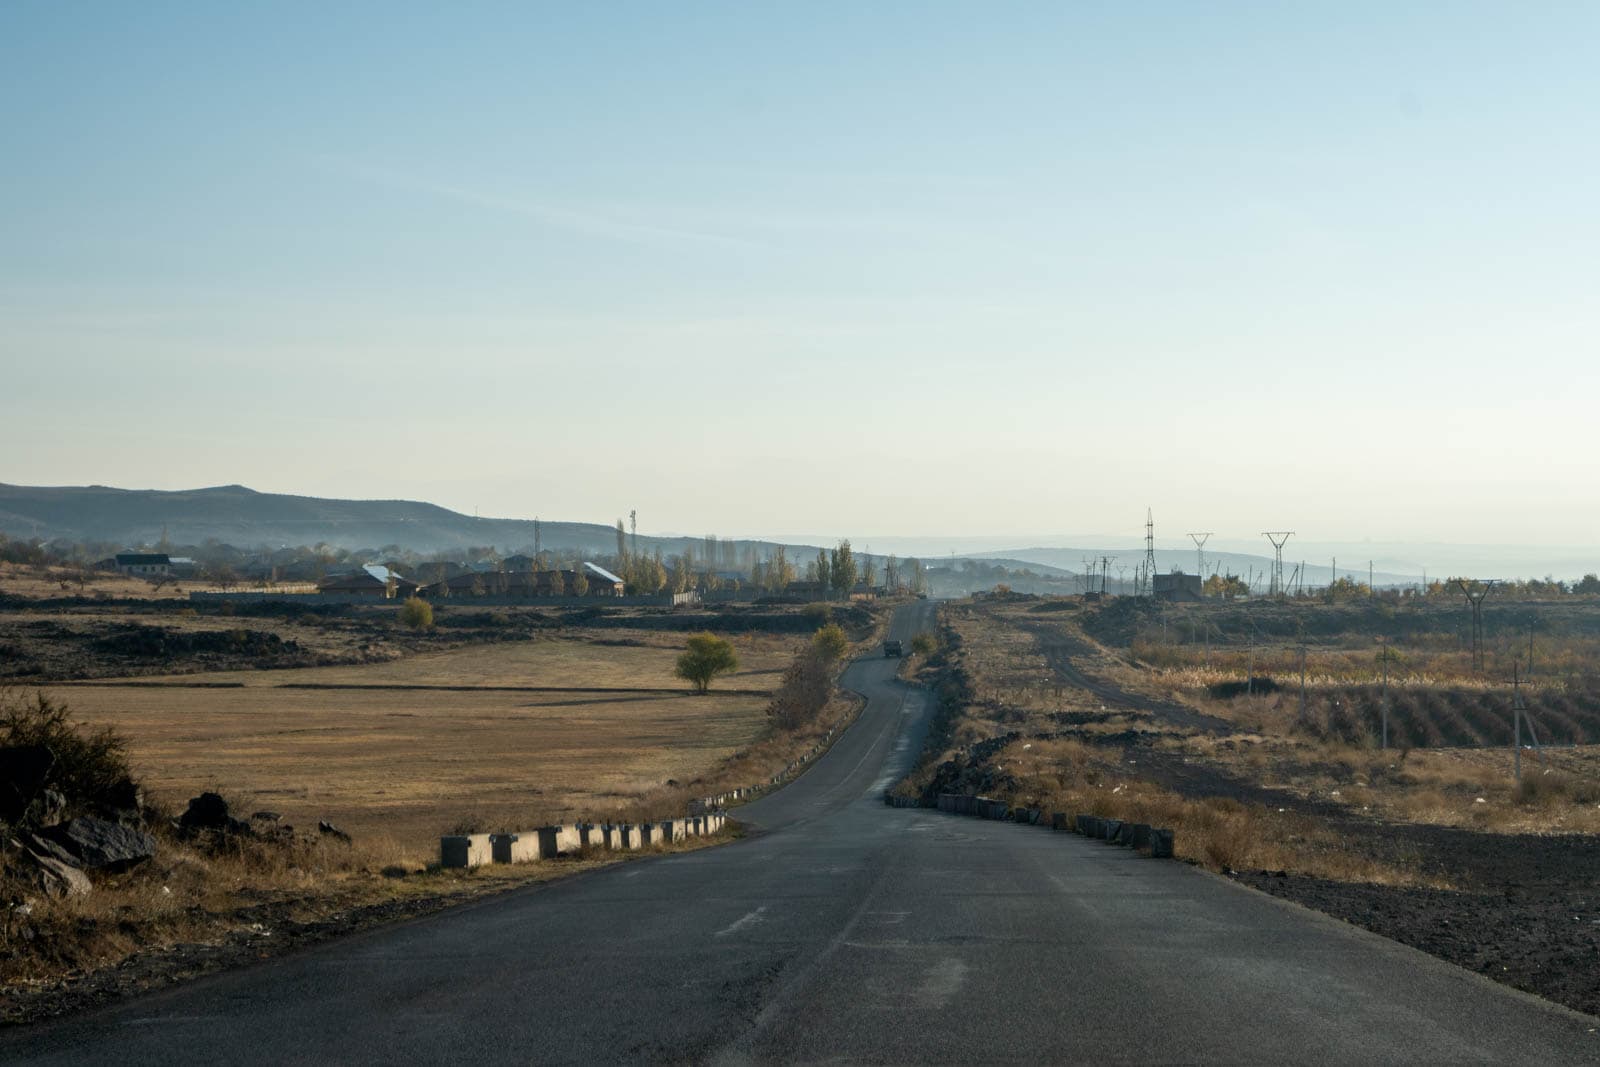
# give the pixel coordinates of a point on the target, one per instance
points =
(1433, 851)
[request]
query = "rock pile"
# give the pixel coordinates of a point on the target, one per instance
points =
(51, 839)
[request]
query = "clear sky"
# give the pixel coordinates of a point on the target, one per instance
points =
(845, 269)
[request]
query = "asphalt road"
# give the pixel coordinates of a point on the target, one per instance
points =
(845, 931)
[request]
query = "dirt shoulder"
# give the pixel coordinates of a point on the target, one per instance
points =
(269, 923)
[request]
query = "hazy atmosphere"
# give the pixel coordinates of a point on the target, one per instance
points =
(767, 533)
(915, 270)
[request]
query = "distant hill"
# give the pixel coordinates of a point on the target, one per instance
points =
(236, 515)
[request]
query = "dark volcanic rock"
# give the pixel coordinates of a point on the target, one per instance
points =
(99, 845)
(326, 827)
(55, 877)
(209, 811)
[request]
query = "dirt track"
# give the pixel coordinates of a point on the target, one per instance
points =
(1059, 647)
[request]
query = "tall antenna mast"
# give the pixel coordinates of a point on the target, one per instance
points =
(1149, 553)
(1200, 540)
(1279, 538)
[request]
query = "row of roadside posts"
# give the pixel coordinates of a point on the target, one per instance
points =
(706, 816)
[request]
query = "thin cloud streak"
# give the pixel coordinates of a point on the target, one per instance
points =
(548, 214)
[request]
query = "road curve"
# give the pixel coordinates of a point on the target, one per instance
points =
(845, 931)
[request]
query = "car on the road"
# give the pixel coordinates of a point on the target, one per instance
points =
(893, 649)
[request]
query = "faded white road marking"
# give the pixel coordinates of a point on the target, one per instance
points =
(749, 920)
(942, 982)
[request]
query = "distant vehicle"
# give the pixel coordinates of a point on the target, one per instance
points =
(922, 596)
(893, 649)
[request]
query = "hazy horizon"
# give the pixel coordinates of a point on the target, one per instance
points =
(927, 267)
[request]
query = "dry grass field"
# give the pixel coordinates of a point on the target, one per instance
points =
(411, 763)
(37, 583)
(625, 659)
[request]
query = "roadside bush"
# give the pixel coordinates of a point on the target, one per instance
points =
(807, 684)
(830, 643)
(706, 657)
(417, 613)
(924, 644)
(89, 766)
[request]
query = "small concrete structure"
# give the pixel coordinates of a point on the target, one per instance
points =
(555, 840)
(1141, 835)
(1108, 829)
(465, 850)
(1058, 820)
(1161, 842)
(515, 848)
(590, 836)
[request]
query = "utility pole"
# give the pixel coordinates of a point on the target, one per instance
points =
(1278, 538)
(1200, 540)
(1516, 724)
(538, 542)
(1250, 665)
(1302, 683)
(1105, 565)
(1383, 693)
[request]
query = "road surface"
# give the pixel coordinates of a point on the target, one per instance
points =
(845, 931)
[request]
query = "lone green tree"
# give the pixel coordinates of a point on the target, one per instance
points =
(706, 657)
(824, 573)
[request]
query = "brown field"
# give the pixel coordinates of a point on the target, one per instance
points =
(409, 764)
(47, 581)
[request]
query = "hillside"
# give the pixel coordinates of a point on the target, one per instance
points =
(234, 514)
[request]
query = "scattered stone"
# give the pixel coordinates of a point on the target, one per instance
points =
(56, 878)
(265, 816)
(47, 808)
(209, 811)
(326, 827)
(44, 846)
(99, 845)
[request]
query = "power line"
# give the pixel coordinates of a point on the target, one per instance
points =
(1149, 552)
(1200, 540)
(1279, 538)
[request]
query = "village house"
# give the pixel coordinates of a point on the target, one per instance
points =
(144, 564)
(374, 580)
(527, 584)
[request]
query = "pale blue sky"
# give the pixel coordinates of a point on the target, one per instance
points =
(898, 269)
